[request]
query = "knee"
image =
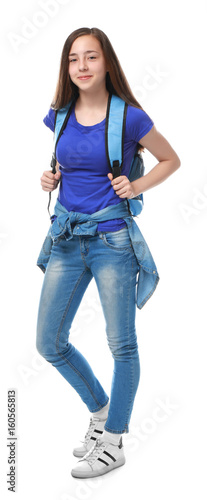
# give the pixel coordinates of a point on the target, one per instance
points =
(42, 348)
(50, 346)
(124, 351)
(44, 345)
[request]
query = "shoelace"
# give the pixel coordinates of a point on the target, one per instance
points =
(90, 430)
(94, 452)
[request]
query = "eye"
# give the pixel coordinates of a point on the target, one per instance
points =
(92, 57)
(72, 60)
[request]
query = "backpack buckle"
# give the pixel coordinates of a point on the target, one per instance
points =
(53, 164)
(116, 171)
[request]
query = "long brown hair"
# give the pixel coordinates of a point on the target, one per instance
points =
(116, 82)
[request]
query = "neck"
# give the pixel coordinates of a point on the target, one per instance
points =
(93, 99)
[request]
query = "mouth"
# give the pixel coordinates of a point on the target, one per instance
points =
(84, 77)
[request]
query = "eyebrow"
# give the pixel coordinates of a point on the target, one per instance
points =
(86, 52)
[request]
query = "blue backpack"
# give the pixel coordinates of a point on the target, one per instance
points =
(114, 143)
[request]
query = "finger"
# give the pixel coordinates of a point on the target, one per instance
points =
(48, 185)
(48, 174)
(122, 196)
(58, 175)
(122, 192)
(49, 179)
(47, 190)
(110, 176)
(121, 185)
(119, 179)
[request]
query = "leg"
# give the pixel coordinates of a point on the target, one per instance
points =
(115, 270)
(65, 282)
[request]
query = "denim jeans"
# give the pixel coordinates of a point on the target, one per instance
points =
(108, 258)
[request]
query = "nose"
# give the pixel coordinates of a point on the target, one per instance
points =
(82, 64)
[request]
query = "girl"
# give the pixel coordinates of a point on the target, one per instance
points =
(93, 234)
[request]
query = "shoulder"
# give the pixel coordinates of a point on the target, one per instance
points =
(138, 123)
(135, 115)
(49, 119)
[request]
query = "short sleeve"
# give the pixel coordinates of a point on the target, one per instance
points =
(49, 119)
(138, 123)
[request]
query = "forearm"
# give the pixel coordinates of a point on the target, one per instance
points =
(158, 174)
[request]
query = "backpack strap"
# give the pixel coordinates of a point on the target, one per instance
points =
(114, 144)
(114, 133)
(62, 116)
(61, 119)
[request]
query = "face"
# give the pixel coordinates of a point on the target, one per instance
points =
(87, 67)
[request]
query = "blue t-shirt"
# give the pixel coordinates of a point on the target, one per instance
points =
(85, 186)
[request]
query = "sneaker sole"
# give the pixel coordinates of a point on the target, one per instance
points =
(85, 475)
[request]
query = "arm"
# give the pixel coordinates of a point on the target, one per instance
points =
(168, 160)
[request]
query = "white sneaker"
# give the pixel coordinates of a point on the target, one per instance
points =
(102, 458)
(95, 430)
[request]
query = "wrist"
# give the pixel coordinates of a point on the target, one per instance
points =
(136, 188)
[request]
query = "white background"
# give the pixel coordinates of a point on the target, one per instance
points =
(164, 459)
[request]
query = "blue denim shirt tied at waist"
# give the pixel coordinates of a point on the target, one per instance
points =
(66, 224)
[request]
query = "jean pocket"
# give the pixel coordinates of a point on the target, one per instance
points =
(119, 240)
